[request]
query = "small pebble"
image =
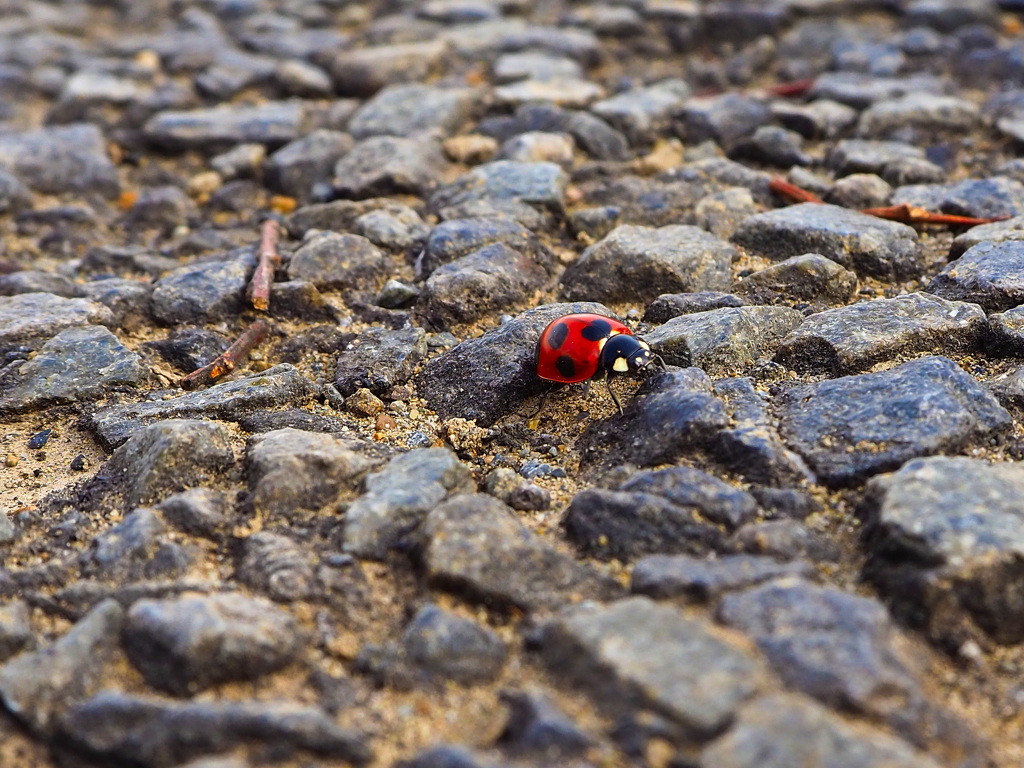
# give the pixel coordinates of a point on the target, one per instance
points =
(78, 463)
(11, 460)
(385, 421)
(39, 439)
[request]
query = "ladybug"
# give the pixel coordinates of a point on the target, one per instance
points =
(576, 348)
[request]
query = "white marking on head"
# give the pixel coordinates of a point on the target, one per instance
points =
(621, 365)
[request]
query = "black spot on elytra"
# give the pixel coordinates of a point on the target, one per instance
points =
(566, 366)
(597, 330)
(558, 335)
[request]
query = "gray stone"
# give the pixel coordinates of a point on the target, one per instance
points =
(476, 545)
(860, 190)
(949, 15)
(38, 687)
(671, 414)
(494, 278)
(853, 427)
(983, 198)
(867, 156)
(300, 300)
(637, 654)
(218, 128)
(198, 511)
(59, 159)
(841, 649)
(643, 114)
(772, 145)
(989, 274)
(535, 726)
(670, 305)
(397, 228)
(918, 115)
(509, 487)
(809, 282)
(1006, 332)
(785, 540)
(539, 147)
(751, 445)
(714, 500)
(37, 281)
(406, 110)
(164, 208)
(572, 93)
(15, 196)
(379, 359)
(333, 261)
(399, 497)
(724, 341)
(129, 300)
(131, 550)
(852, 339)
(186, 644)
(1011, 230)
(188, 348)
(689, 579)
(15, 628)
(640, 263)
(819, 119)
(484, 378)
(229, 400)
(364, 71)
(721, 213)
(29, 319)
(592, 134)
(625, 525)
(277, 566)
(868, 245)
(77, 364)
(447, 646)
(455, 238)
(962, 521)
(293, 473)
(297, 166)
(389, 165)
(504, 185)
(784, 730)
(199, 292)
(165, 458)
(725, 119)
(533, 65)
(860, 91)
(153, 732)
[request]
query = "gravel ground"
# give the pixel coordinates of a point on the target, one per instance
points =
(799, 544)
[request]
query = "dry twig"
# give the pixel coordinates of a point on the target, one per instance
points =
(251, 338)
(268, 260)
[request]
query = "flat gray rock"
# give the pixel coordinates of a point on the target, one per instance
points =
(726, 341)
(639, 263)
(297, 166)
(474, 544)
(389, 165)
(379, 359)
(213, 290)
(689, 579)
(783, 730)
(37, 687)
(991, 197)
(58, 159)
(29, 319)
(644, 113)
(851, 339)
(1011, 230)
(399, 497)
(635, 653)
(15, 628)
(76, 364)
(273, 123)
(408, 109)
(493, 278)
(333, 261)
(856, 426)
(364, 71)
(860, 90)
(455, 238)
(38, 281)
(866, 244)
(277, 566)
(809, 282)
(849, 156)
(229, 400)
(153, 732)
(186, 644)
(839, 648)
(961, 518)
(989, 274)
(523, 190)
(292, 473)
(919, 115)
(165, 458)
(486, 377)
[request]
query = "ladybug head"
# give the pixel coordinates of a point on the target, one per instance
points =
(623, 353)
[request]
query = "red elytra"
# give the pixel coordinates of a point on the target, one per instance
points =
(570, 348)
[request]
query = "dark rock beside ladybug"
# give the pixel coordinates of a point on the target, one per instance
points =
(639, 264)
(487, 377)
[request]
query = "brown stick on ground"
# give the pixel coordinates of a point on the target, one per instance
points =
(792, 192)
(251, 338)
(267, 260)
(911, 214)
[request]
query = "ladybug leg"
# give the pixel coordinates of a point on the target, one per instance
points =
(543, 399)
(615, 399)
